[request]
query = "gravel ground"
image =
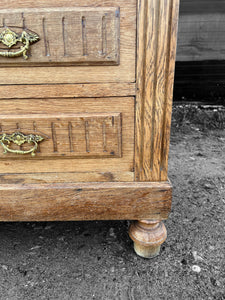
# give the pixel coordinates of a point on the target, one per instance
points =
(95, 260)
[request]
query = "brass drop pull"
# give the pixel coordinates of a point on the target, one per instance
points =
(9, 38)
(19, 139)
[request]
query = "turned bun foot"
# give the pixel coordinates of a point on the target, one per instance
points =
(147, 237)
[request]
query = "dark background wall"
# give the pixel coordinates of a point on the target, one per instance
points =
(200, 67)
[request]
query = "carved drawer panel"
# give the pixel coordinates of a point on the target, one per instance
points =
(92, 137)
(89, 135)
(71, 35)
(67, 41)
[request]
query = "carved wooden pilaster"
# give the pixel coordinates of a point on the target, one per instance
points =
(156, 50)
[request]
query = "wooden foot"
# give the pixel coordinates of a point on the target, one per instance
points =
(148, 237)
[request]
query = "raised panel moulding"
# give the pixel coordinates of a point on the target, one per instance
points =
(74, 136)
(55, 36)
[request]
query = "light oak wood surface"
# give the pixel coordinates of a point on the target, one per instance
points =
(86, 135)
(84, 201)
(67, 90)
(70, 35)
(156, 49)
(124, 72)
(48, 108)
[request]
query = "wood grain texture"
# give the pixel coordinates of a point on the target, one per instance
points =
(124, 72)
(101, 168)
(67, 90)
(95, 135)
(156, 48)
(84, 201)
(63, 177)
(69, 35)
(201, 32)
(201, 35)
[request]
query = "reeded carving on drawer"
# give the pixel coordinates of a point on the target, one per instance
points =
(73, 35)
(76, 135)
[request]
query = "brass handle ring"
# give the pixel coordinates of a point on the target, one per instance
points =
(19, 138)
(10, 38)
(32, 150)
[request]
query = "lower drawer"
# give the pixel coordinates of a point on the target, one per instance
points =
(67, 140)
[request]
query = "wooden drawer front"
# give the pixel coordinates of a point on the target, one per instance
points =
(91, 139)
(66, 35)
(88, 135)
(52, 42)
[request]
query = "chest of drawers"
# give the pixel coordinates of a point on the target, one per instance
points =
(85, 108)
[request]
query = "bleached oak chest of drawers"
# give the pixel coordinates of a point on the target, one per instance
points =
(85, 108)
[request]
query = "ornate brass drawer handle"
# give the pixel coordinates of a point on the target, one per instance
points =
(10, 38)
(19, 139)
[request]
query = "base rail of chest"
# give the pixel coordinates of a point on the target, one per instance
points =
(85, 201)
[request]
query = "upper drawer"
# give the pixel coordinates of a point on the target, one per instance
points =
(51, 43)
(71, 35)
